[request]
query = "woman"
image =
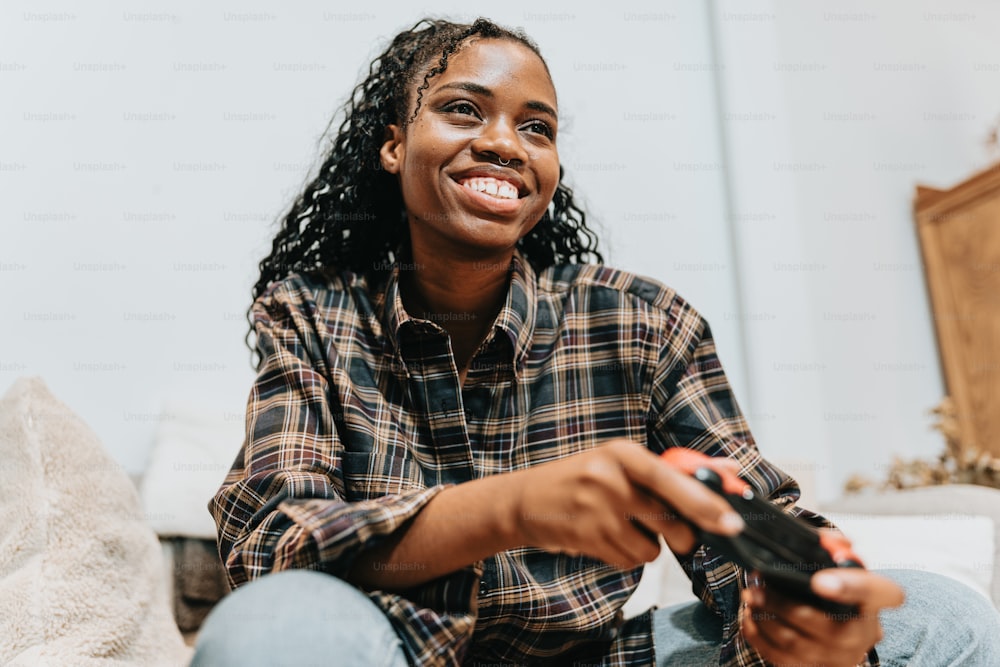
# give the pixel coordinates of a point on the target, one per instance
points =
(459, 418)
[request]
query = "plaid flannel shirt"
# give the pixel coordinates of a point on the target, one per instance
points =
(357, 419)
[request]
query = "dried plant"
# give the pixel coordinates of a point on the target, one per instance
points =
(960, 463)
(993, 140)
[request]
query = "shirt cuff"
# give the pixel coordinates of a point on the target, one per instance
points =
(339, 530)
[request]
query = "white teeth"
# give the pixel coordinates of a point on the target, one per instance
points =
(492, 187)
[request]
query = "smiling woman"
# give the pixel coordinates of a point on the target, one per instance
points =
(457, 419)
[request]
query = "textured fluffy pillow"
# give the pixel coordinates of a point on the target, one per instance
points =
(81, 574)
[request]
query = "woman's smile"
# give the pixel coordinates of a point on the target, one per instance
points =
(493, 189)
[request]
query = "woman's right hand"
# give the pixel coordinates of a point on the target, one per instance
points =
(611, 502)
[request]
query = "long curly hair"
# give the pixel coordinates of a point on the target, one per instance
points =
(352, 216)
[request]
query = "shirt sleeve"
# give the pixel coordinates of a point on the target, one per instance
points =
(694, 406)
(282, 504)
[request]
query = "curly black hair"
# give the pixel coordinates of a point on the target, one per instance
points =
(351, 215)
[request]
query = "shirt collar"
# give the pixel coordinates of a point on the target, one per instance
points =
(516, 318)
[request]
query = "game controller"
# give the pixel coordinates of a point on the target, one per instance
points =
(784, 549)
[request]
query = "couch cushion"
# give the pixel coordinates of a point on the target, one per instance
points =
(960, 547)
(81, 574)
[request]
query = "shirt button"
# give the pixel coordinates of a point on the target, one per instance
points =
(483, 589)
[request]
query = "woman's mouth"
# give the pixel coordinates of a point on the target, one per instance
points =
(491, 186)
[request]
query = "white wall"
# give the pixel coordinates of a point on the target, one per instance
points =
(147, 151)
(834, 113)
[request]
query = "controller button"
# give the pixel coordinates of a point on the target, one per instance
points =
(707, 476)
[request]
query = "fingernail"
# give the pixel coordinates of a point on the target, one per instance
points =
(731, 522)
(828, 583)
(756, 597)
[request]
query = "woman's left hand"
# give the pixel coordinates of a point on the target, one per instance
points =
(784, 631)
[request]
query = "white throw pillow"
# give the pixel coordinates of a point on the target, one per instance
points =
(81, 575)
(193, 450)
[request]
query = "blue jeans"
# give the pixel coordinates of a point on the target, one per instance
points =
(302, 618)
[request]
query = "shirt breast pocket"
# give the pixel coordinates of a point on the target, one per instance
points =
(369, 475)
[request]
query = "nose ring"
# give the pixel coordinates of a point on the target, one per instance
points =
(502, 162)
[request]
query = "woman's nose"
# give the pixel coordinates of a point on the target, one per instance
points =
(500, 138)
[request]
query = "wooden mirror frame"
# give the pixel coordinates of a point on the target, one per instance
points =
(959, 231)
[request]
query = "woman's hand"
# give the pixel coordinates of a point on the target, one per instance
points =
(786, 632)
(610, 503)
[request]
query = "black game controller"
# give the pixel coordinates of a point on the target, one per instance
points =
(784, 549)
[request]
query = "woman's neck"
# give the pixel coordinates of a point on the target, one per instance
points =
(461, 296)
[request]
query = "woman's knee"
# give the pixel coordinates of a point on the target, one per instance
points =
(942, 617)
(297, 617)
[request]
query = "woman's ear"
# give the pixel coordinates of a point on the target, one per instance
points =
(392, 151)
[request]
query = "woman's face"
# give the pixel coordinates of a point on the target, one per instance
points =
(478, 165)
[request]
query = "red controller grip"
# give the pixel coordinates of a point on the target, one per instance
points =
(688, 461)
(839, 548)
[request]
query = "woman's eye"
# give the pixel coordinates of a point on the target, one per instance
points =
(538, 127)
(463, 108)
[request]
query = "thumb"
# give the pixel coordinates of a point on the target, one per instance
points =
(857, 586)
